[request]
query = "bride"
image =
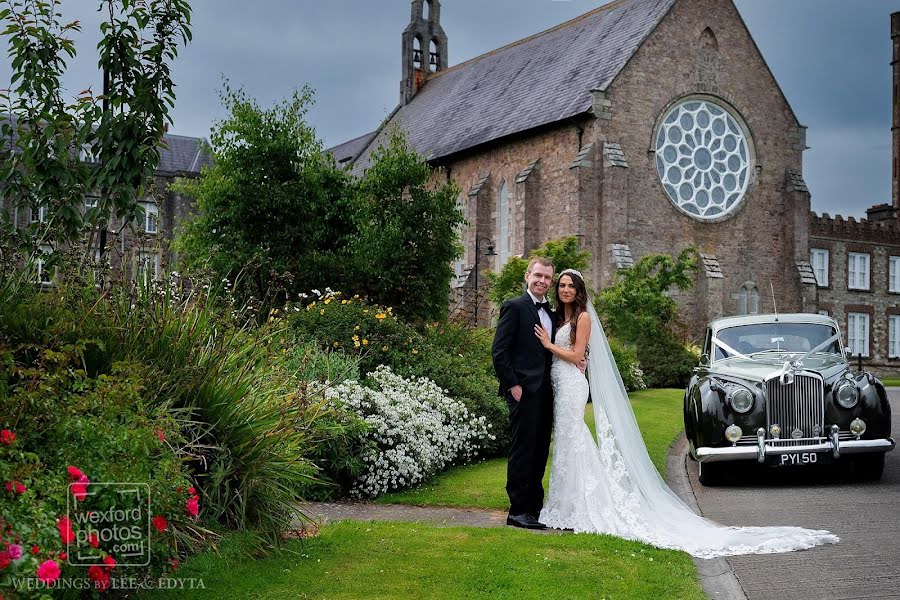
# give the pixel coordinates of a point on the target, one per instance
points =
(611, 486)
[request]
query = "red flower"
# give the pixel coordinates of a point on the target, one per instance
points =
(93, 540)
(4, 559)
(79, 488)
(7, 437)
(9, 486)
(20, 487)
(74, 473)
(48, 571)
(160, 435)
(110, 562)
(15, 487)
(159, 522)
(37, 549)
(66, 535)
(192, 491)
(192, 507)
(174, 564)
(63, 556)
(99, 576)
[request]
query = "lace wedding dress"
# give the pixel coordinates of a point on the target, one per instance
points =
(611, 486)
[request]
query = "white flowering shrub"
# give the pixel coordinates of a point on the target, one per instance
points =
(637, 377)
(417, 430)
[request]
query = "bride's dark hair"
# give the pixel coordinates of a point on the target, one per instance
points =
(579, 304)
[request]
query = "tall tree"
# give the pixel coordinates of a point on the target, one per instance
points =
(407, 232)
(47, 139)
(272, 203)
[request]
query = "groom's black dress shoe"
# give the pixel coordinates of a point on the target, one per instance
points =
(524, 521)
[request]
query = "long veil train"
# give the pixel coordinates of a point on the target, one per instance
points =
(652, 511)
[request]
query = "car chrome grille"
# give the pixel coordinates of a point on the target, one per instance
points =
(798, 405)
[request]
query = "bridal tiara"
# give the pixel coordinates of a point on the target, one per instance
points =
(573, 272)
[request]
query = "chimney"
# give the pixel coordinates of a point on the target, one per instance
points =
(881, 212)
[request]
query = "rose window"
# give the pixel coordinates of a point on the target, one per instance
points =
(703, 159)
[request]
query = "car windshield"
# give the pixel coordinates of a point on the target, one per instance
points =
(776, 337)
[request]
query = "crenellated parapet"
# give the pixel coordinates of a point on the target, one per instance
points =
(854, 230)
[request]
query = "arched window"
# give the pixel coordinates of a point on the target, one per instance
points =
(748, 299)
(417, 52)
(426, 10)
(434, 59)
(459, 264)
(502, 225)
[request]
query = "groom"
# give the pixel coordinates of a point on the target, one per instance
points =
(523, 368)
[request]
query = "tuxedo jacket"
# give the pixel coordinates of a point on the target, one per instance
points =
(519, 357)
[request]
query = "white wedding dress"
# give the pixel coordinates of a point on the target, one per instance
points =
(611, 485)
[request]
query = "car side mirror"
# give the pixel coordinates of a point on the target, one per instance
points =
(704, 360)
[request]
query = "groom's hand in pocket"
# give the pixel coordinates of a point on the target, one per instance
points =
(516, 392)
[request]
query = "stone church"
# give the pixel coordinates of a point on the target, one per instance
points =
(645, 126)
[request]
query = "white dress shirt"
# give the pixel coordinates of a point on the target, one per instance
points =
(543, 314)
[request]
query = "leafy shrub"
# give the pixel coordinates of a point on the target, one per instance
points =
(68, 425)
(417, 430)
(628, 365)
(455, 358)
(509, 283)
(666, 362)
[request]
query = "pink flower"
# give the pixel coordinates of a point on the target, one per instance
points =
(7, 437)
(79, 488)
(99, 576)
(48, 571)
(160, 435)
(66, 535)
(15, 551)
(74, 473)
(192, 507)
(160, 523)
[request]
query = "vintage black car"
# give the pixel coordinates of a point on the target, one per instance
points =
(778, 390)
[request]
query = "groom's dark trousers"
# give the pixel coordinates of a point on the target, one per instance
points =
(519, 359)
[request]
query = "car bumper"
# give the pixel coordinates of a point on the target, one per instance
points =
(761, 450)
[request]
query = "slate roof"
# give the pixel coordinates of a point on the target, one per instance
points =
(539, 80)
(183, 154)
(348, 150)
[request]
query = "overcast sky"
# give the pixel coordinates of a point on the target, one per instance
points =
(831, 57)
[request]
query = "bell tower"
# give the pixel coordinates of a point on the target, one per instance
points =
(424, 47)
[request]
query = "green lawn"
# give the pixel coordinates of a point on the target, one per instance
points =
(406, 560)
(891, 381)
(484, 484)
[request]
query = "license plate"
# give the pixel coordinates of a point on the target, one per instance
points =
(798, 459)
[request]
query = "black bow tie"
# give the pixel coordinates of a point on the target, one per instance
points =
(544, 305)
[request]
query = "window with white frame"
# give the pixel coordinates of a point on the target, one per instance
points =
(894, 274)
(748, 299)
(91, 201)
(894, 336)
(42, 273)
(858, 271)
(858, 333)
(146, 267)
(502, 226)
(151, 217)
(818, 258)
(40, 214)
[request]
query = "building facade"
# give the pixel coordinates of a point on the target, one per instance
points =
(644, 126)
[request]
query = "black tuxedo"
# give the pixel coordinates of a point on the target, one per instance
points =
(520, 359)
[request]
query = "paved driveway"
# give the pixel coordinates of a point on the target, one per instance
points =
(866, 516)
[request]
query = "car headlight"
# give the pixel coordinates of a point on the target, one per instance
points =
(847, 394)
(742, 400)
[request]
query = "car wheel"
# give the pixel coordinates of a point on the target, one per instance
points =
(711, 474)
(868, 467)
